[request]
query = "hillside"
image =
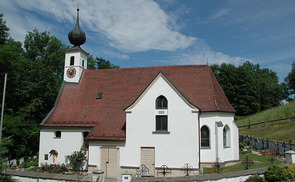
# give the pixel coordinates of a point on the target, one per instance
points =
(278, 131)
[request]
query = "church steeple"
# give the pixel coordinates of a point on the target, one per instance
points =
(76, 58)
(77, 36)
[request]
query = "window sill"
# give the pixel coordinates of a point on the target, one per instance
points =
(226, 147)
(205, 147)
(56, 137)
(161, 132)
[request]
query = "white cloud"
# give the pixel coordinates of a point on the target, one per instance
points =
(201, 53)
(134, 25)
(219, 14)
(216, 15)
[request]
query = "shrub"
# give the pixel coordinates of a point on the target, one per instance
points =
(290, 168)
(53, 168)
(28, 162)
(77, 159)
(6, 178)
(255, 178)
(275, 173)
(243, 145)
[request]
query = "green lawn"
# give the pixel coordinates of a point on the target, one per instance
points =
(279, 112)
(278, 131)
(258, 162)
(283, 132)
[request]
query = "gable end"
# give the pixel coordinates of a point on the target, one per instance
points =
(162, 75)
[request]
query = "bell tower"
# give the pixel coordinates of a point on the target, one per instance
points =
(75, 58)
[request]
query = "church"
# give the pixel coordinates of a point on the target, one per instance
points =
(138, 118)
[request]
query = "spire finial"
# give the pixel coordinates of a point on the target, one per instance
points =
(77, 36)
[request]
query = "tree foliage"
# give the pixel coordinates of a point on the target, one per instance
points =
(99, 63)
(290, 81)
(35, 70)
(249, 88)
(3, 30)
(42, 74)
(35, 73)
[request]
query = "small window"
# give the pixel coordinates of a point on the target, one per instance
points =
(46, 157)
(161, 102)
(99, 95)
(83, 63)
(226, 136)
(161, 123)
(72, 60)
(205, 137)
(57, 134)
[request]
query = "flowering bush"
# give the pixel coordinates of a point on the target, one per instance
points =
(53, 168)
(77, 159)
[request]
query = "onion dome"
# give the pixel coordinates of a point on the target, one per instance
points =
(77, 36)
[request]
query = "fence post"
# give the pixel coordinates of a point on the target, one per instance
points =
(265, 123)
(289, 120)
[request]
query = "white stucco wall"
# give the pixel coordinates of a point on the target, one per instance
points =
(216, 149)
(79, 58)
(175, 149)
(71, 140)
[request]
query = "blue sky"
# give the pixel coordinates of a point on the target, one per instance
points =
(137, 33)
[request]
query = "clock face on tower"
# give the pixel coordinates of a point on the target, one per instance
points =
(71, 72)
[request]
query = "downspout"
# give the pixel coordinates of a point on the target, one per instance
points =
(199, 131)
(216, 141)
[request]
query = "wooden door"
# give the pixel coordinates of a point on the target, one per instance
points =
(148, 159)
(109, 161)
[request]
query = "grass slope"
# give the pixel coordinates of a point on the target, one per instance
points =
(259, 161)
(278, 131)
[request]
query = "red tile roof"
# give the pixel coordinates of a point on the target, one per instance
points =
(78, 106)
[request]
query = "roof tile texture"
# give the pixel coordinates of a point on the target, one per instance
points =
(78, 105)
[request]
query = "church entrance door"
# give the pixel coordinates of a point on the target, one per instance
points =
(109, 161)
(148, 159)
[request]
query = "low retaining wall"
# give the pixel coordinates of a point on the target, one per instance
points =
(228, 177)
(239, 176)
(36, 176)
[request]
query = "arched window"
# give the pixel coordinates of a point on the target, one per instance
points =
(161, 116)
(226, 136)
(161, 102)
(205, 137)
(72, 62)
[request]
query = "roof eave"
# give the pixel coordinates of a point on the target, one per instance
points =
(55, 104)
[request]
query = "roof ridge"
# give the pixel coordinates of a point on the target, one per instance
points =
(149, 67)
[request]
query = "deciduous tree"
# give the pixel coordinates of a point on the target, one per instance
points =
(3, 30)
(249, 88)
(290, 81)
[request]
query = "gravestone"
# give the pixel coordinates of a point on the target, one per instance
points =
(290, 157)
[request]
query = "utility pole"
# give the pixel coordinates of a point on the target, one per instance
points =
(2, 111)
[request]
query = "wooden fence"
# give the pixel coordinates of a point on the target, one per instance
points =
(266, 122)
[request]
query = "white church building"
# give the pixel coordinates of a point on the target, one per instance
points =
(135, 117)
